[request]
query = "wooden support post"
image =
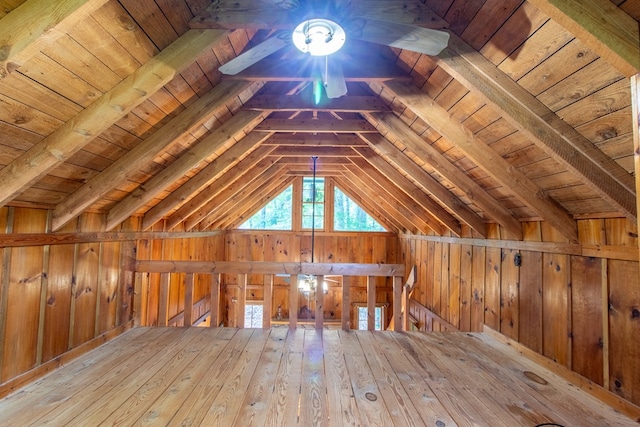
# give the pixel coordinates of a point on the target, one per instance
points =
(605, 322)
(215, 301)
(635, 108)
(346, 303)
(163, 300)
(267, 300)
(319, 303)
(188, 299)
(242, 300)
(397, 303)
(405, 309)
(371, 303)
(293, 301)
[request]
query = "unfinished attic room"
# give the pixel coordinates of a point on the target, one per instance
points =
(319, 213)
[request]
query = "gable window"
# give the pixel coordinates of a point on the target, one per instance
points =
(349, 216)
(313, 201)
(275, 215)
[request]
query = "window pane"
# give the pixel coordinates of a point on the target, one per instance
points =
(275, 215)
(348, 216)
(253, 316)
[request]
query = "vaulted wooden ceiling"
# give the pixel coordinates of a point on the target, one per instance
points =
(118, 107)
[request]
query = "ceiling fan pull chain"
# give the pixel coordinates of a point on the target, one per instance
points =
(326, 71)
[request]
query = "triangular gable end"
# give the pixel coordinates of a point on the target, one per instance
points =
(276, 214)
(350, 216)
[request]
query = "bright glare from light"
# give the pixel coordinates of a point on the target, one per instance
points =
(319, 37)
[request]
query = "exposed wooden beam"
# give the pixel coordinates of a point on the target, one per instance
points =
(303, 103)
(244, 172)
(308, 151)
(144, 153)
(314, 126)
(217, 209)
(266, 267)
(222, 198)
(438, 213)
(322, 140)
(426, 182)
(550, 133)
(35, 24)
(396, 203)
(393, 125)
(486, 158)
(602, 26)
(233, 130)
(42, 239)
(635, 107)
(225, 161)
(104, 112)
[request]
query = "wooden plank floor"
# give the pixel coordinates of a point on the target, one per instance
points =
(243, 377)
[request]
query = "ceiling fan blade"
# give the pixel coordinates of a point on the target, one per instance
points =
(403, 36)
(253, 55)
(333, 76)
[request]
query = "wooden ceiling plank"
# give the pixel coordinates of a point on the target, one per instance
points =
(227, 160)
(220, 202)
(104, 112)
(233, 130)
(486, 158)
(254, 15)
(601, 25)
(303, 103)
(314, 126)
(129, 165)
(34, 25)
(548, 131)
(429, 154)
(438, 213)
(235, 179)
(382, 191)
(429, 185)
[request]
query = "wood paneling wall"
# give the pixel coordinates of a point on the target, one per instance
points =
(576, 304)
(55, 298)
(296, 247)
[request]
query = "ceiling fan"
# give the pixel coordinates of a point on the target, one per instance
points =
(321, 27)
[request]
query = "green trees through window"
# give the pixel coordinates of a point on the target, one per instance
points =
(347, 214)
(275, 215)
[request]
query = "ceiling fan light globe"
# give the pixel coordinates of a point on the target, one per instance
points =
(318, 37)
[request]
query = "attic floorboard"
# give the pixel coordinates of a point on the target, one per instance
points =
(201, 376)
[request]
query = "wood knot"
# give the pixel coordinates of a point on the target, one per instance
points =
(535, 377)
(371, 396)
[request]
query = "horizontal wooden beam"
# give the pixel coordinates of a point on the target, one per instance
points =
(626, 253)
(255, 267)
(325, 140)
(302, 103)
(314, 126)
(41, 239)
